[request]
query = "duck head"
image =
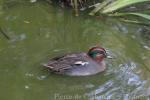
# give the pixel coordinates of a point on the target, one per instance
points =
(97, 53)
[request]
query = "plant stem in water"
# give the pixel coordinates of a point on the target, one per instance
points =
(4, 34)
(76, 7)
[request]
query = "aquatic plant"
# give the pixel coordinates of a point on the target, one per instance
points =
(106, 7)
(112, 7)
(75, 4)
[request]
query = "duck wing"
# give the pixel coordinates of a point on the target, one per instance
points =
(66, 62)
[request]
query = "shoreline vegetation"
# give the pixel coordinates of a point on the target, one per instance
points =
(138, 9)
(128, 11)
(111, 8)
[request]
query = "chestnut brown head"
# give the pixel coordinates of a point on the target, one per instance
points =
(97, 53)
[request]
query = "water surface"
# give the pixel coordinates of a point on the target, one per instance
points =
(38, 31)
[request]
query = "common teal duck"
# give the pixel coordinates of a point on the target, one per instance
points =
(79, 64)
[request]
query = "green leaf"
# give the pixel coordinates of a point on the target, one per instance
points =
(135, 22)
(120, 4)
(99, 7)
(146, 16)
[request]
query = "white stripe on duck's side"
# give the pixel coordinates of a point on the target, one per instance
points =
(81, 63)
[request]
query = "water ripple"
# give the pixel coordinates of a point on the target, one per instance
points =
(125, 85)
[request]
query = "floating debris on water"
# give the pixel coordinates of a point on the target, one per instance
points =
(144, 58)
(32, 1)
(41, 77)
(26, 87)
(147, 47)
(57, 50)
(89, 86)
(133, 36)
(22, 36)
(99, 33)
(16, 38)
(27, 22)
(30, 75)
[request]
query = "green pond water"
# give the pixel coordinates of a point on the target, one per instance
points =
(38, 31)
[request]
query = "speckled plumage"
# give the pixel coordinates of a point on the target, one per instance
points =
(79, 64)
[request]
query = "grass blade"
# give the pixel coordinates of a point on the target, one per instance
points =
(99, 7)
(135, 22)
(120, 4)
(146, 16)
(4, 34)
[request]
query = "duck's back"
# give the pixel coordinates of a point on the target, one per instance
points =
(79, 64)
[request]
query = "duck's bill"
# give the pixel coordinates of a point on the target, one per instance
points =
(109, 55)
(45, 65)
